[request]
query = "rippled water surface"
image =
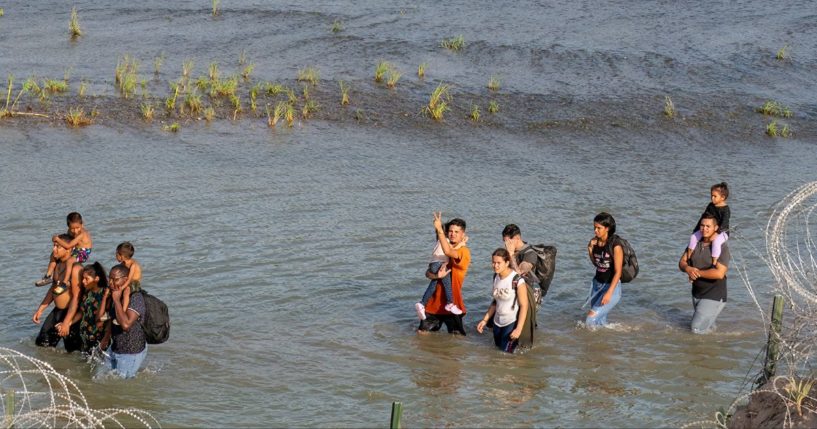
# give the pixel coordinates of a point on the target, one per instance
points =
(291, 259)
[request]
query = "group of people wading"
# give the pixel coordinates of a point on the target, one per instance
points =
(517, 292)
(97, 314)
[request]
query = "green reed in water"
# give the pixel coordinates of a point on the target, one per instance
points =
(772, 130)
(454, 44)
(216, 7)
(148, 110)
(669, 107)
(421, 70)
(73, 25)
(344, 93)
(173, 128)
(213, 72)
(309, 74)
(192, 101)
(55, 86)
(438, 102)
(774, 108)
(380, 70)
(337, 26)
(76, 117)
(247, 71)
(783, 53)
(475, 115)
(83, 88)
(274, 89)
(493, 107)
(493, 83)
(158, 62)
(392, 77)
(209, 113)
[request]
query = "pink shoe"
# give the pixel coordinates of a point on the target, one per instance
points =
(452, 308)
(421, 311)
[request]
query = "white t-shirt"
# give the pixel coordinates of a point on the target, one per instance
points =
(438, 255)
(504, 294)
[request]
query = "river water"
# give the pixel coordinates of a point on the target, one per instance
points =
(291, 259)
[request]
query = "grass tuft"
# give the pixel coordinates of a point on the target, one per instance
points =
(392, 77)
(216, 7)
(455, 44)
(173, 128)
(783, 53)
(125, 75)
(187, 68)
(8, 110)
(247, 71)
(54, 86)
(421, 70)
(337, 26)
(493, 107)
(209, 113)
(274, 89)
(382, 68)
(212, 71)
(774, 108)
(310, 107)
(669, 107)
(76, 117)
(798, 390)
(274, 116)
(73, 25)
(475, 115)
(242, 57)
(438, 102)
(83, 88)
(157, 63)
(772, 130)
(289, 114)
(224, 87)
(309, 74)
(192, 101)
(344, 93)
(493, 83)
(359, 115)
(148, 111)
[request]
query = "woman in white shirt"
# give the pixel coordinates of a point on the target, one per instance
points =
(509, 307)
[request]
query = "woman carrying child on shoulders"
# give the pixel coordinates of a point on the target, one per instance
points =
(509, 307)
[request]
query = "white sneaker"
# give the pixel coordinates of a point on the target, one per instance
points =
(452, 308)
(421, 311)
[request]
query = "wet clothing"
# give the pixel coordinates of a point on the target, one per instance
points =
(603, 260)
(81, 254)
(702, 259)
(502, 337)
(434, 267)
(48, 336)
(722, 215)
(433, 323)
(459, 268)
(89, 308)
(504, 294)
(597, 292)
(705, 314)
(133, 340)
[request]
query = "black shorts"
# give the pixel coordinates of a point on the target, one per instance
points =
(434, 322)
(48, 336)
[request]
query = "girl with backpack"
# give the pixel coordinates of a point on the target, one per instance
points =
(512, 322)
(607, 255)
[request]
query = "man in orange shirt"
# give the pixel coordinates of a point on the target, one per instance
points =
(459, 259)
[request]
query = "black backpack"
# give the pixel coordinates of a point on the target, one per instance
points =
(629, 266)
(156, 322)
(545, 265)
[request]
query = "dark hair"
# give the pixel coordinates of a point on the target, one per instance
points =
(120, 269)
(97, 270)
(125, 249)
(456, 222)
(511, 231)
(708, 215)
(723, 188)
(606, 220)
(73, 217)
(65, 237)
(502, 253)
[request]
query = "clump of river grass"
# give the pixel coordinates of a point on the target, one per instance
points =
(310, 107)
(493, 83)
(773, 130)
(344, 93)
(274, 89)
(392, 77)
(274, 115)
(337, 26)
(83, 88)
(170, 101)
(76, 117)
(309, 74)
(783, 53)
(421, 70)
(493, 107)
(55, 86)
(774, 108)
(438, 102)
(125, 75)
(187, 68)
(216, 7)
(454, 44)
(157, 63)
(475, 115)
(2, 12)
(73, 24)
(247, 71)
(289, 114)
(213, 72)
(669, 107)
(192, 101)
(380, 70)
(173, 128)
(8, 109)
(148, 111)
(209, 113)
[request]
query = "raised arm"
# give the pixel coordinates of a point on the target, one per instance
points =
(446, 246)
(69, 244)
(125, 316)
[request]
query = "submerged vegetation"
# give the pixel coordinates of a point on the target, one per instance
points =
(173, 128)
(669, 107)
(380, 70)
(76, 117)
(421, 70)
(475, 115)
(455, 44)
(216, 9)
(783, 53)
(309, 74)
(73, 25)
(344, 93)
(493, 107)
(493, 83)
(392, 77)
(774, 108)
(337, 26)
(772, 130)
(438, 102)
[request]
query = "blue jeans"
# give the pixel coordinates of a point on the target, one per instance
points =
(706, 312)
(123, 365)
(502, 338)
(434, 267)
(597, 292)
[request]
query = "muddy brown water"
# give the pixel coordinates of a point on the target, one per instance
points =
(291, 258)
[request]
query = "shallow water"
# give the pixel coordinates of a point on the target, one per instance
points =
(291, 259)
